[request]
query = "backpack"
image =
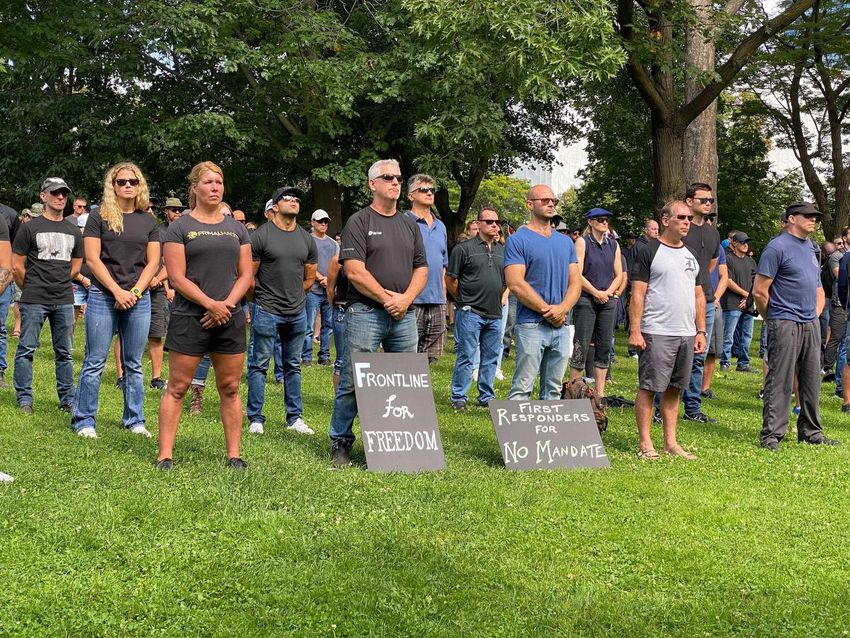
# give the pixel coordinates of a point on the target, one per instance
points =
(578, 389)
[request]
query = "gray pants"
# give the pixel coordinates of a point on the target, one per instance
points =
(792, 347)
(837, 318)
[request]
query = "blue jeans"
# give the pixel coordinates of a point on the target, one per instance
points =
(476, 332)
(731, 320)
(5, 302)
(366, 330)
(476, 359)
(541, 348)
(61, 320)
(318, 303)
(102, 321)
(264, 327)
(691, 396)
(339, 336)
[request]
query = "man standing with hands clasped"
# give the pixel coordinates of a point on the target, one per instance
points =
(789, 295)
(665, 328)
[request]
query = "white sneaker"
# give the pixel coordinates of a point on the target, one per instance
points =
(87, 433)
(141, 430)
(475, 374)
(500, 376)
(5, 478)
(299, 426)
(256, 428)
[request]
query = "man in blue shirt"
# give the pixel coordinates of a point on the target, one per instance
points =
(430, 305)
(789, 295)
(541, 269)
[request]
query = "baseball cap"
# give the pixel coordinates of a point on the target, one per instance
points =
(597, 212)
(562, 228)
(173, 202)
(36, 210)
(53, 184)
(319, 215)
(269, 205)
(741, 238)
(287, 190)
(800, 208)
(26, 212)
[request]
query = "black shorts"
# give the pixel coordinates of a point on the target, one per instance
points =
(159, 313)
(187, 336)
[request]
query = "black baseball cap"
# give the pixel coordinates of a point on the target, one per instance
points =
(800, 208)
(287, 190)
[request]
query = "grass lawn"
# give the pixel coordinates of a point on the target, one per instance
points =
(95, 541)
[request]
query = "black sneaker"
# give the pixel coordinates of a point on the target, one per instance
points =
(341, 452)
(699, 417)
(483, 404)
(724, 367)
(821, 441)
(157, 384)
(771, 445)
(747, 369)
(707, 394)
(26, 408)
(3, 383)
(66, 407)
(119, 383)
(459, 406)
(325, 362)
(236, 463)
(165, 465)
(829, 377)
(656, 417)
(845, 408)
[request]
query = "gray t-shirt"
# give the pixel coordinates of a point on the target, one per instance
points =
(212, 258)
(326, 248)
(279, 284)
(671, 275)
(834, 260)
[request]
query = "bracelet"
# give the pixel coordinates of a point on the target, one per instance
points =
(702, 332)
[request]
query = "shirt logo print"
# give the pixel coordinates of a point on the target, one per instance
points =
(54, 246)
(375, 232)
(690, 265)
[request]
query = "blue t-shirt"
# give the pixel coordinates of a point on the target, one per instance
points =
(437, 254)
(715, 274)
(793, 265)
(547, 266)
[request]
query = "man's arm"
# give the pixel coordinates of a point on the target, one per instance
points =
(722, 283)
(19, 269)
(821, 300)
(699, 318)
(761, 294)
(557, 313)
(333, 274)
(5, 265)
(522, 290)
(309, 275)
(636, 302)
(452, 285)
(363, 280)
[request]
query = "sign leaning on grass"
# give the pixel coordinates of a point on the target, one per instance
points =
(398, 420)
(545, 435)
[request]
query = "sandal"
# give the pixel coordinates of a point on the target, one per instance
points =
(649, 455)
(679, 451)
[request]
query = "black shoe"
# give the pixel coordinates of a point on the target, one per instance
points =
(306, 364)
(3, 383)
(761, 395)
(341, 452)
(724, 367)
(165, 465)
(459, 406)
(845, 408)
(829, 377)
(747, 369)
(707, 394)
(821, 441)
(699, 417)
(325, 362)
(26, 408)
(771, 445)
(656, 417)
(483, 404)
(119, 382)
(157, 384)
(66, 407)
(234, 462)
(839, 393)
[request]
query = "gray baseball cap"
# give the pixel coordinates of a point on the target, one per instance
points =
(53, 184)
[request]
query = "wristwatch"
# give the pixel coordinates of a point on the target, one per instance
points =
(702, 332)
(136, 292)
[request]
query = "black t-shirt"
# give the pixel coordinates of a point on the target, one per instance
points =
(212, 258)
(391, 247)
(49, 247)
(279, 283)
(4, 230)
(125, 255)
(480, 274)
(742, 270)
(704, 241)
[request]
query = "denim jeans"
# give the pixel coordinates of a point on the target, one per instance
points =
(339, 335)
(691, 397)
(477, 335)
(840, 362)
(61, 320)
(5, 302)
(541, 348)
(366, 330)
(202, 371)
(731, 320)
(318, 303)
(291, 329)
(102, 321)
(476, 359)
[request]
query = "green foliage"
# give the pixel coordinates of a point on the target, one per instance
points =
(504, 193)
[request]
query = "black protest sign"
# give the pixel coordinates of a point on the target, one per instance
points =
(544, 435)
(398, 420)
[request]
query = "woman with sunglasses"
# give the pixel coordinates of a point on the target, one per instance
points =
(595, 313)
(208, 258)
(122, 252)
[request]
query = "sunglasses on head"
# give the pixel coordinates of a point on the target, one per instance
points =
(389, 177)
(123, 182)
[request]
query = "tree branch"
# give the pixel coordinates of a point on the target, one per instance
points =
(645, 86)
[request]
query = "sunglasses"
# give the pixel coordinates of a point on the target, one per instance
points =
(489, 221)
(321, 221)
(601, 220)
(173, 210)
(704, 200)
(425, 189)
(79, 205)
(288, 198)
(546, 200)
(690, 218)
(389, 177)
(124, 182)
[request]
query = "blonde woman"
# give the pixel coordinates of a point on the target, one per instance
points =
(122, 252)
(208, 258)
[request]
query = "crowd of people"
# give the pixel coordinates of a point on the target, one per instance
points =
(192, 285)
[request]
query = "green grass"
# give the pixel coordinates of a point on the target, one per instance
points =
(95, 541)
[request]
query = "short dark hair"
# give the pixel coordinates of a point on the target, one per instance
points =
(483, 208)
(697, 186)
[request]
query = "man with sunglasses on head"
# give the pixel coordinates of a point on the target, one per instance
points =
(704, 241)
(430, 306)
(789, 295)
(475, 278)
(542, 270)
(284, 270)
(384, 259)
(317, 296)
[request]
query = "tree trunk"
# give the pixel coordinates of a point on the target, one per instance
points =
(667, 144)
(327, 195)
